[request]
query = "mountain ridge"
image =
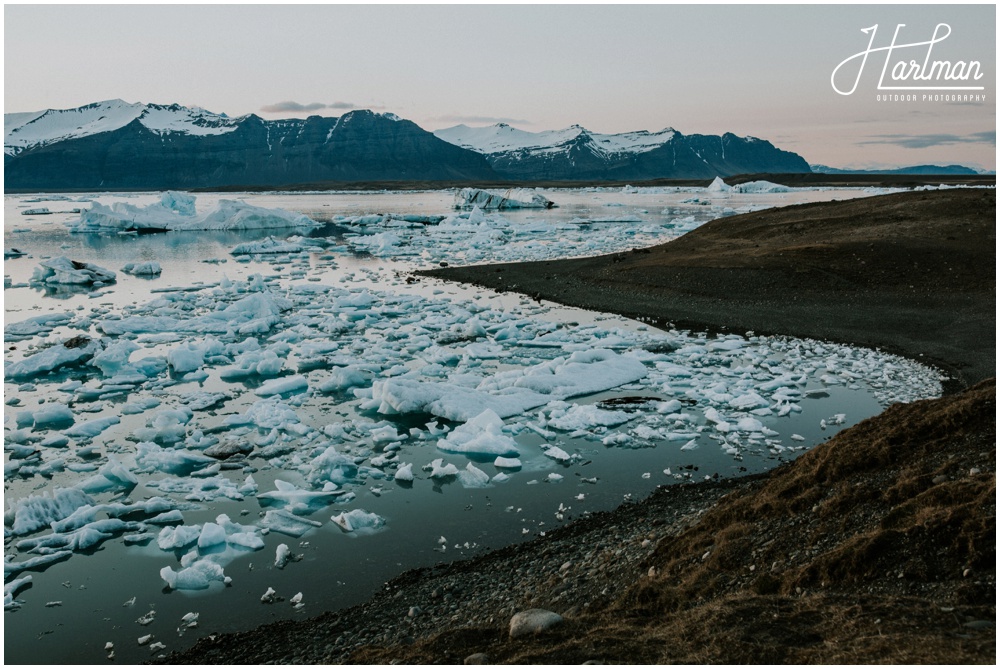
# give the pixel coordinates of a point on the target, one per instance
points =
(122, 145)
(911, 169)
(115, 144)
(575, 152)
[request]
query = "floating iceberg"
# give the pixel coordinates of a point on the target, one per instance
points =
(297, 500)
(53, 416)
(70, 352)
(143, 269)
(62, 270)
(253, 314)
(718, 186)
(270, 245)
(283, 386)
(279, 520)
(513, 392)
(514, 198)
(176, 211)
(483, 435)
(29, 514)
(358, 519)
(585, 417)
(473, 477)
(30, 327)
(198, 576)
(760, 187)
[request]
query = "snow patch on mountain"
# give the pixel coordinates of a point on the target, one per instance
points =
(189, 121)
(25, 130)
(502, 138)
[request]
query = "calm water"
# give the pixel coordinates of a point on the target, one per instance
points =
(89, 593)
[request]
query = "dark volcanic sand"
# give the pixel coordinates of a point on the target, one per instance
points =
(877, 546)
(912, 273)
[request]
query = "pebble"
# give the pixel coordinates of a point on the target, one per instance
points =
(477, 658)
(939, 479)
(533, 621)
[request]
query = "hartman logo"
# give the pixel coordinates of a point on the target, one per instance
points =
(910, 66)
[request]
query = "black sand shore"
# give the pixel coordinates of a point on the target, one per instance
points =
(912, 273)
(877, 546)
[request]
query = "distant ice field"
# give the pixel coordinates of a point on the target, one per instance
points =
(272, 419)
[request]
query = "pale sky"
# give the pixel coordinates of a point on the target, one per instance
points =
(751, 70)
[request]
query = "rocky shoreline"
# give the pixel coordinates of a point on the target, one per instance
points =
(877, 546)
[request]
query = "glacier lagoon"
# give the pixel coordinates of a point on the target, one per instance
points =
(301, 392)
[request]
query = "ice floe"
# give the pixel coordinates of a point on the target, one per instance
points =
(62, 270)
(177, 211)
(143, 268)
(514, 198)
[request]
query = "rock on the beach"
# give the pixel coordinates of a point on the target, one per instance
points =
(477, 658)
(533, 621)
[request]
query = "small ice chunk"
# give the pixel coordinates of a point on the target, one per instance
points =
(515, 198)
(439, 469)
(70, 352)
(483, 435)
(358, 519)
(342, 378)
(278, 520)
(143, 268)
(557, 454)
(62, 270)
(282, 386)
(35, 512)
(587, 416)
(749, 425)
(92, 428)
(281, 556)
(197, 576)
(507, 463)
(473, 477)
(186, 358)
(212, 535)
(172, 538)
(53, 415)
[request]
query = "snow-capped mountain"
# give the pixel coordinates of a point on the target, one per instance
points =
(577, 153)
(502, 138)
(121, 145)
(31, 129)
